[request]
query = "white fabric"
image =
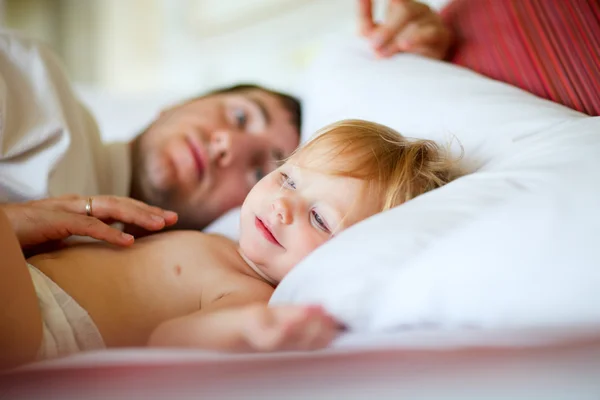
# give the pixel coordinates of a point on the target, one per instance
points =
(68, 328)
(426, 365)
(49, 143)
(227, 225)
(122, 115)
(511, 244)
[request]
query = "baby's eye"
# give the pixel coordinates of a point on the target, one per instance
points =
(319, 221)
(288, 182)
(241, 118)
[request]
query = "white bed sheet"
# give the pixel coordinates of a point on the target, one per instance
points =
(432, 365)
(448, 365)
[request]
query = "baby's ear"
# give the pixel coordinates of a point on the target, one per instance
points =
(165, 111)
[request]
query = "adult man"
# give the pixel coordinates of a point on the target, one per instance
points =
(199, 158)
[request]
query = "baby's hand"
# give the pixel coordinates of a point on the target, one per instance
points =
(289, 328)
(409, 26)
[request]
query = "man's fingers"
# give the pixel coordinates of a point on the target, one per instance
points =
(131, 211)
(399, 13)
(425, 32)
(365, 17)
(113, 208)
(429, 52)
(170, 217)
(388, 50)
(94, 228)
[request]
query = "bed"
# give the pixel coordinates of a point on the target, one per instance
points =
(486, 288)
(494, 365)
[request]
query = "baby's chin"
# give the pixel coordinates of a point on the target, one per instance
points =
(250, 261)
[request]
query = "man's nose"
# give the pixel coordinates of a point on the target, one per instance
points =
(222, 148)
(282, 208)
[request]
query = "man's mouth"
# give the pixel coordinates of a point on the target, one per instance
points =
(266, 232)
(199, 158)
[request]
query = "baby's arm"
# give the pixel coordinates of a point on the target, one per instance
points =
(231, 324)
(20, 318)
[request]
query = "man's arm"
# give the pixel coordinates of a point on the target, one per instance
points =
(20, 317)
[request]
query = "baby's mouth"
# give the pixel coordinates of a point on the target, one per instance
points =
(266, 232)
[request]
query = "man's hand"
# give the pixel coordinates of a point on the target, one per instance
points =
(409, 26)
(54, 219)
(288, 328)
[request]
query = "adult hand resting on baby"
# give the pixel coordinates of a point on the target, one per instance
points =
(54, 219)
(409, 26)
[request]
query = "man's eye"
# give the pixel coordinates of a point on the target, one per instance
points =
(260, 173)
(319, 221)
(241, 118)
(288, 182)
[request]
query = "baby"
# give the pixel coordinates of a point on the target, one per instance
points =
(189, 289)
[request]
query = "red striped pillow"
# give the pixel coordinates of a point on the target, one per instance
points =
(550, 48)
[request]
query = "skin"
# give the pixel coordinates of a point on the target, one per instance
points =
(201, 158)
(302, 209)
(189, 289)
(236, 145)
(408, 26)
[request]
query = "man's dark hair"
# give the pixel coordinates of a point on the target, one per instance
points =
(289, 102)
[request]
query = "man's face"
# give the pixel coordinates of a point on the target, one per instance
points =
(201, 158)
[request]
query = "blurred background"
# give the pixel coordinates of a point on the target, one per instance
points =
(130, 58)
(141, 46)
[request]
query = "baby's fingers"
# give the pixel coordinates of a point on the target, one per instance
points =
(307, 328)
(316, 331)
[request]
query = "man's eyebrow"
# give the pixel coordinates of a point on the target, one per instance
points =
(263, 109)
(278, 155)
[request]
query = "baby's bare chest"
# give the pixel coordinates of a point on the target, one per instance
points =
(165, 269)
(133, 290)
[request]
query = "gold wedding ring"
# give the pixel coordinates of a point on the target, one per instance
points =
(88, 207)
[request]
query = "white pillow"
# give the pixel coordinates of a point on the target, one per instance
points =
(436, 261)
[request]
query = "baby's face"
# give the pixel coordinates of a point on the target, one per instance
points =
(294, 210)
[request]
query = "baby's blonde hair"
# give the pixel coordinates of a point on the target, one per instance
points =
(396, 168)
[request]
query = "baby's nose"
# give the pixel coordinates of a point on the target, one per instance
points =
(282, 209)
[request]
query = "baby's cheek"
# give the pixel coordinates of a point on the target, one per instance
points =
(309, 245)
